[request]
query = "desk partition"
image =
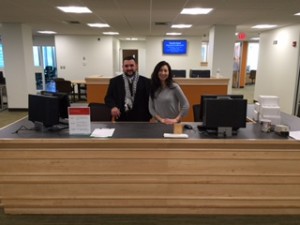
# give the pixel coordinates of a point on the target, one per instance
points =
(139, 172)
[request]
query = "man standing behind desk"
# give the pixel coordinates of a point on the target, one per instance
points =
(128, 94)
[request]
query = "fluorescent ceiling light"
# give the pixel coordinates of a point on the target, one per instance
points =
(111, 33)
(173, 34)
(181, 25)
(99, 25)
(297, 14)
(74, 9)
(264, 26)
(46, 32)
(255, 38)
(132, 39)
(196, 11)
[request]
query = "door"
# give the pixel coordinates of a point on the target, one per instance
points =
(131, 52)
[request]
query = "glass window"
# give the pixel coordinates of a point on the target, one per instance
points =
(36, 56)
(204, 51)
(1, 56)
(44, 56)
(252, 57)
(49, 58)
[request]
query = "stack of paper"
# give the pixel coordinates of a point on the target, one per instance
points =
(171, 135)
(103, 132)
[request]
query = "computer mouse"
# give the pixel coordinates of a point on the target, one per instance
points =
(188, 126)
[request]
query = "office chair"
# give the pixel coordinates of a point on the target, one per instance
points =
(179, 73)
(252, 75)
(2, 78)
(65, 86)
(196, 112)
(100, 112)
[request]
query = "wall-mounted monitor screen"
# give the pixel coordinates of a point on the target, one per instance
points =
(174, 47)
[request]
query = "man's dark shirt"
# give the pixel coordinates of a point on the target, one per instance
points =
(115, 97)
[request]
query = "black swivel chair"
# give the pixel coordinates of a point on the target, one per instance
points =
(65, 86)
(252, 76)
(2, 78)
(100, 112)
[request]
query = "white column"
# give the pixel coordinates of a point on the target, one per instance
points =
(221, 50)
(19, 68)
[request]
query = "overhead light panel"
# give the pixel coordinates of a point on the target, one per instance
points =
(297, 14)
(99, 25)
(173, 34)
(196, 11)
(74, 9)
(264, 26)
(111, 33)
(132, 39)
(181, 25)
(46, 32)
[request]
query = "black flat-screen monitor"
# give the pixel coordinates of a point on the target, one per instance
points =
(179, 73)
(64, 102)
(212, 96)
(224, 114)
(43, 110)
(200, 73)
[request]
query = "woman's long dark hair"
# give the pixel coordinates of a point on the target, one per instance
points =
(155, 81)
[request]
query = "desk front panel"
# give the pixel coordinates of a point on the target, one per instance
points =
(150, 176)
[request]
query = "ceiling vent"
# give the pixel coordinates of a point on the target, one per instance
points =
(161, 23)
(72, 22)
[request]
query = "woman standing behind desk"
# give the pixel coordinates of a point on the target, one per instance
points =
(167, 102)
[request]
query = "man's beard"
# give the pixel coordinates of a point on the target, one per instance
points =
(130, 74)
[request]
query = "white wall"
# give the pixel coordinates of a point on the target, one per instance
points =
(277, 70)
(150, 53)
(19, 69)
(82, 56)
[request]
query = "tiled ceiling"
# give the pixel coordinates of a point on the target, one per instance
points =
(144, 18)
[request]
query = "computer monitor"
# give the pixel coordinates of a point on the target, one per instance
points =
(224, 115)
(179, 73)
(64, 102)
(200, 73)
(43, 110)
(212, 96)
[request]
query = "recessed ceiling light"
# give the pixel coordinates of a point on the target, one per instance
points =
(99, 25)
(181, 25)
(74, 9)
(173, 34)
(297, 14)
(111, 33)
(264, 26)
(255, 38)
(132, 39)
(46, 32)
(196, 11)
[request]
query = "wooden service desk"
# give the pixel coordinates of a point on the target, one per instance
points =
(139, 172)
(192, 87)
